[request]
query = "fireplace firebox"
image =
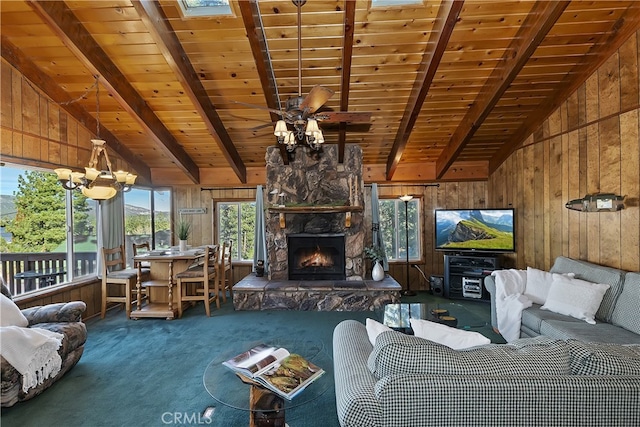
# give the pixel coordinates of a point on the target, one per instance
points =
(316, 256)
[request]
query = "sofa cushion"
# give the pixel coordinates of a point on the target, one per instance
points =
(604, 359)
(625, 312)
(395, 353)
(574, 297)
(600, 332)
(594, 273)
(375, 328)
(129, 273)
(10, 314)
(456, 339)
(538, 285)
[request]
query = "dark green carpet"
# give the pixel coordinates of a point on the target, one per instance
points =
(149, 372)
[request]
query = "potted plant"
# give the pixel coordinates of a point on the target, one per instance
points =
(377, 256)
(184, 230)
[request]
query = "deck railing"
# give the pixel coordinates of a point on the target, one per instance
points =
(36, 270)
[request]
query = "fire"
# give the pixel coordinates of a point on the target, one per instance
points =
(316, 258)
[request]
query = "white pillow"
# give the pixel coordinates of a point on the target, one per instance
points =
(374, 329)
(574, 297)
(538, 284)
(10, 314)
(456, 339)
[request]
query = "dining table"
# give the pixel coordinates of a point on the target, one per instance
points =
(161, 301)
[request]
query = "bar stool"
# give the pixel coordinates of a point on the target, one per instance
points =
(145, 266)
(225, 271)
(205, 274)
(114, 272)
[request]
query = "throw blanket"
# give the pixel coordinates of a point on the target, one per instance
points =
(33, 352)
(510, 301)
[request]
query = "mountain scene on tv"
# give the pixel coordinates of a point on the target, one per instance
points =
(475, 230)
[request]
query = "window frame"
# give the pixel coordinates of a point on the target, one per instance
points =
(152, 214)
(399, 231)
(70, 254)
(235, 256)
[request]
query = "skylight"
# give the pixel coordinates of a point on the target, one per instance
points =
(205, 7)
(387, 3)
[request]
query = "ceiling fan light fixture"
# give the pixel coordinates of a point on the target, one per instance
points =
(281, 129)
(290, 141)
(312, 127)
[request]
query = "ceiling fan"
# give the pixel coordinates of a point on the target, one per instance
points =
(302, 113)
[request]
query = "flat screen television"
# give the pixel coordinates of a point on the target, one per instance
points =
(480, 230)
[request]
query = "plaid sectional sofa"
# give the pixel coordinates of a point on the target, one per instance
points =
(541, 381)
(617, 319)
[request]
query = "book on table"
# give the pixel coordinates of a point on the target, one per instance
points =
(284, 373)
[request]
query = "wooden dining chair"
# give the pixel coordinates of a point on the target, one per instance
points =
(115, 275)
(199, 282)
(225, 271)
(140, 248)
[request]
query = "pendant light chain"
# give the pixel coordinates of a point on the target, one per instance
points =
(97, 107)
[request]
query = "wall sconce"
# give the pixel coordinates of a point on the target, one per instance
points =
(597, 202)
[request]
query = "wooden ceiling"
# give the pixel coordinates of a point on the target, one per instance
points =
(453, 87)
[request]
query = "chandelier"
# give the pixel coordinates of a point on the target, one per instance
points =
(96, 184)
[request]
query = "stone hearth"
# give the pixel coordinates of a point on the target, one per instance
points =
(260, 293)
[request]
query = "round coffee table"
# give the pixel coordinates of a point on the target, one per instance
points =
(226, 387)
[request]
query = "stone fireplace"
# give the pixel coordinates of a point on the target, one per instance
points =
(321, 197)
(315, 237)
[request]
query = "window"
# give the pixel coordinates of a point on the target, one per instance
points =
(236, 222)
(48, 234)
(392, 225)
(204, 7)
(146, 218)
(388, 3)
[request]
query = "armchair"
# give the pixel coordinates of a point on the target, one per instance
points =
(64, 318)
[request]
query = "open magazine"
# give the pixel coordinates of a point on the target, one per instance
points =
(282, 372)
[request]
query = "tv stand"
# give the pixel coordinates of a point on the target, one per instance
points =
(464, 275)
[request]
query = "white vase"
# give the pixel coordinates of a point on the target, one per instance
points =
(183, 245)
(377, 273)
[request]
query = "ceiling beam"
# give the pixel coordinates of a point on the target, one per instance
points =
(438, 39)
(345, 78)
(50, 88)
(75, 36)
(601, 50)
(250, 12)
(540, 20)
(156, 22)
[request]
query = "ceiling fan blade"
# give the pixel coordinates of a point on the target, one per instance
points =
(262, 126)
(331, 127)
(272, 110)
(316, 98)
(343, 116)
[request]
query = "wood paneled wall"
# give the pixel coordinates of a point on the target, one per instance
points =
(204, 225)
(36, 131)
(449, 195)
(588, 145)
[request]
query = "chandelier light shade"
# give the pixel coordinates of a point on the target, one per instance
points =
(95, 183)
